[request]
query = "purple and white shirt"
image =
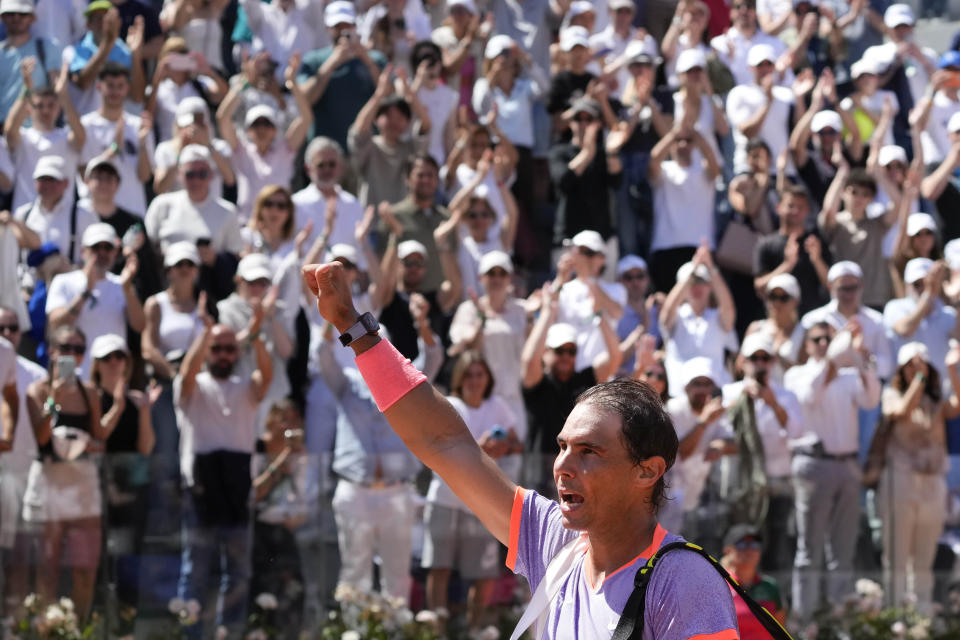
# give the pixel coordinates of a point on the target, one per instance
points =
(686, 599)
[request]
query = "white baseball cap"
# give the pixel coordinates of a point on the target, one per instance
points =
(685, 271)
(579, 7)
(699, 367)
(264, 111)
(757, 342)
(469, 5)
(50, 167)
(560, 334)
(761, 53)
(188, 108)
(254, 266)
(178, 251)
(898, 14)
(345, 251)
(613, 5)
(824, 119)
(951, 253)
(629, 263)
(99, 232)
(641, 51)
(917, 222)
(16, 6)
(866, 64)
(786, 282)
(575, 36)
(409, 247)
(102, 160)
(492, 260)
(689, 59)
(844, 268)
(106, 344)
(910, 351)
(953, 124)
(917, 269)
(891, 153)
(339, 12)
(497, 45)
(589, 240)
(195, 153)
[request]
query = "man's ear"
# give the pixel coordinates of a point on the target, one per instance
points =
(649, 471)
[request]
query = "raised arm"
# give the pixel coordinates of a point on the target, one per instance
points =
(443, 443)
(833, 200)
(297, 130)
(229, 105)
(363, 123)
(77, 136)
(726, 308)
(85, 77)
(536, 343)
(19, 112)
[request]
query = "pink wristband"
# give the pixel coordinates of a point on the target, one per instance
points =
(388, 374)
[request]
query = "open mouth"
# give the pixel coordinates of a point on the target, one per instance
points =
(570, 500)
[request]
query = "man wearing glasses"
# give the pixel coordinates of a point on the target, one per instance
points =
(733, 46)
(826, 474)
(218, 410)
(641, 311)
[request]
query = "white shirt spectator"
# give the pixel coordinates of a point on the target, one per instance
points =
(35, 144)
(732, 48)
(310, 205)
(575, 307)
(935, 138)
(254, 172)
(830, 410)
(705, 124)
(874, 334)
(875, 103)
(745, 100)
(776, 453)
(166, 156)
(934, 330)
(104, 313)
(693, 336)
(692, 471)
(100, 135)
(514, 111)
(610, 47)
(54, 225)
(169, 95)
(683, 205)
(60, 21)
(670, 66)
(917, 76)
(280, 32)
(173, 217)
(441, 105)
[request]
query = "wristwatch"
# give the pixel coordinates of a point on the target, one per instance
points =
(365, 325)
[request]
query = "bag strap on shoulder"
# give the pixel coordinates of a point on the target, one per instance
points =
(631, 622)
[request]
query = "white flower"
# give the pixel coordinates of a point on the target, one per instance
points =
(54, 615)
(868, 588)
(919, 632)
(30, 601)
(490, 633)
(351, 635)
(257, 634)
(346, 593)
(176, 605)
(404, 617)
(66, 604)
(427, 617)
(266, 601)
(898, 628)
(221, 633)
(192, 607)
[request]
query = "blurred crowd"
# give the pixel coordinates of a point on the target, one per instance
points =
(751, 206)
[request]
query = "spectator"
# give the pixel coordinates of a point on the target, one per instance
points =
(261, 157)
(47, 263)
(464, 160)
(640, 311)
(53, 215)
(339, 79)
(762, 108)
(127, 138)
(921, 316)
(181, 75)
(92, 298)
(705, 435)
(782, 324)
(199, 26)
(261, 83)
(192, 127)
(103, 181)
(573, 81)
(826, 477)
(270, 230)
(868, 99)
(776, 414)
(688, 31)
(380, 159)
(846, 308)
(43, 138)
(461, 39)
(195, 212)
(917, 238)
(323, 203)
(63, 487)
(439, 100)
(18, 17)
(283, 29)
(819, 42)
(683, 189)
(690, 327)
(932, 114)
(584, 174)
(130, 10)
(373, 501)
(551, 382)
(392, 27)
(794, 249)
(938, 187)
(919, 63)
(913, 486)
(650, 370)
(610, 44)
(454, 538)
(753, 194)
(18, 553)
(217, 415)
(733, 47)
(100, 45)
(495, 324)
(742, 549)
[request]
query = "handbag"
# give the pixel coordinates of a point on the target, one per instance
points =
(877, 454)
(735, 249)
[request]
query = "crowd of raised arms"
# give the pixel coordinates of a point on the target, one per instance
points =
(753, 207)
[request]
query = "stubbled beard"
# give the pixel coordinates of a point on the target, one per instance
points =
(220, 371)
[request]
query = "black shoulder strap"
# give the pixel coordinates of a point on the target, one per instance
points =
(42, 56)
(630, 626)
(73, 224)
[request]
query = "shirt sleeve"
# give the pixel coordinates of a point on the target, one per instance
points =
(58, 295)
(680, 579)
(536, 535)
(8, 364)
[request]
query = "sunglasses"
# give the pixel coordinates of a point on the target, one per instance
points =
(261, 122)
(496, 273)
(479, 216)
(197, 174)
(223, 348)
(332, 164)
(587, 252)
(69, 347)
(819, 339)
(116, 355)
(565, 351)
(760, 357)
(778, 297)
(414, 264)
(259, 282)
(747, 545)
(103, 246)
(184, 264)
(849, 288)
(9, 328)
(630, 277)
(655, 375)
(276, 204)
(584, 118)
